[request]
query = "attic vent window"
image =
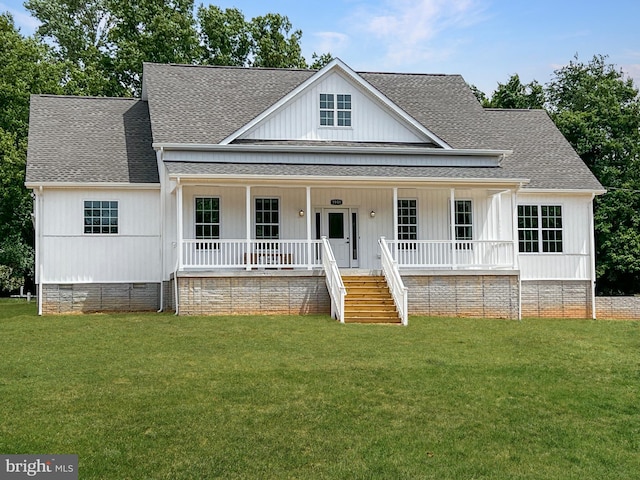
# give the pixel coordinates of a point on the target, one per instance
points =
(335, 110)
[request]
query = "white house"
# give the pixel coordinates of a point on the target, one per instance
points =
(239, 190)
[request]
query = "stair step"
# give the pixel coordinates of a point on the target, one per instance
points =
(369, 300)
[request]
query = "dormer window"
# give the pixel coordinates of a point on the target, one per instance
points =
(335, 110)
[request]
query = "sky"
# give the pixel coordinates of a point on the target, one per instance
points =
(486, 41)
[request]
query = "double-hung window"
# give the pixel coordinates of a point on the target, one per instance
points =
(335, 110)
(407, 221)
(267, 221)
(540, 228)
(100, 217)
(207, 223)
(463, 226)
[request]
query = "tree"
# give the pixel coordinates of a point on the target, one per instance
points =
(515, 94)
(274, 46)
(598, 110)
(226, 36)
(26, 68)
(104, 42)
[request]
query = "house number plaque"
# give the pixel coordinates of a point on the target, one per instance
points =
(336, 201)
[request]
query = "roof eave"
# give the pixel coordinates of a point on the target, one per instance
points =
(331, 149)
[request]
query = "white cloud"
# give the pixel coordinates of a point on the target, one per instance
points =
(633, 71)
(331, 42)
(25, 22)
(411, 30)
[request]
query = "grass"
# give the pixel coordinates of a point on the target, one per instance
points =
(153, 396)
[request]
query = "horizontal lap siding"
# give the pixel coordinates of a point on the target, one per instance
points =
(253, 295)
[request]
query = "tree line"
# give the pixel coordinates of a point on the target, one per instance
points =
(597, 108)
(97, 48)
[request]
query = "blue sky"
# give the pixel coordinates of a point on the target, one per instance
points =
(484, 40)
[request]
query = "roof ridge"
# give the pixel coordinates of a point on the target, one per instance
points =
(83, 97)
(413, 74)
(230, 67)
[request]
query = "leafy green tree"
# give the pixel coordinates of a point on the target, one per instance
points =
(226, 36)
(106, 41)
(274, 45)
(515, 94)
(26, 68)
(597, 109)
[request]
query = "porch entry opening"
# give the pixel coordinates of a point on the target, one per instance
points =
(340, 225)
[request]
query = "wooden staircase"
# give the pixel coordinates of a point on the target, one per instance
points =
(368, 300)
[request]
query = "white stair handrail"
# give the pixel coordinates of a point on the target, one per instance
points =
(337, 290)
(392, 274)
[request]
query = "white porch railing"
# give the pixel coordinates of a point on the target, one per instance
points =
(336, 288)
(285, 254)
(394, 281)
(487, 254)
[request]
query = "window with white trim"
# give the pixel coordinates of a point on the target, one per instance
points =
(100, 217)
(207, 212)
(408, 221)
(335, 110)
(463, 226)
(267, 220)
(540, 228)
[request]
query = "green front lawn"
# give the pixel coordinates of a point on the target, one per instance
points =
(153, 396)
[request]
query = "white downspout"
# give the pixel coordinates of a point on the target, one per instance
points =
(39, 268)
(159, 160)
(179, 252)
(592, 242)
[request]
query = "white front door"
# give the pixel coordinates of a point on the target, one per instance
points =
(337, 228)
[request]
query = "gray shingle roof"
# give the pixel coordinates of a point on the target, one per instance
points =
(82, 139)
(97, 139)
(193, 104)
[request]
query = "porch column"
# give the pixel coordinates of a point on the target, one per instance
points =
(309, 246)
(452, 209)
(180, 227)
(514, 233)
(592, 254)
(395, 214)
(247, 215)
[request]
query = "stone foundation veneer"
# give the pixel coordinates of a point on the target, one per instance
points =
(618, 308)
(465, 294)
(100, 297)
(556, 298)
(254, 293)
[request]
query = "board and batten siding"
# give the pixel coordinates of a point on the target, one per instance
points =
(574, 263)
(300, 118)
(71, 256)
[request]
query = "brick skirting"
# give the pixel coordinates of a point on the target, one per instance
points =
(618, 308)
(253, 295)
(100, 297)
(482, 296)
(556, 298)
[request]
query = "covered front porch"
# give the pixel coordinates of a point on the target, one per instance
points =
(225, 227)
(328, 230)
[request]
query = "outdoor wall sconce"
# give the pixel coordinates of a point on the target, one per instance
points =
(301, 213)
(372, 214)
